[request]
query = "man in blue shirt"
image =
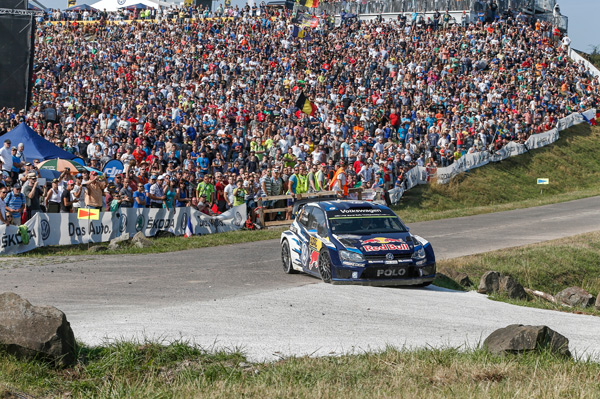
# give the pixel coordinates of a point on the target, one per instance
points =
(203, 163)
(15, 204)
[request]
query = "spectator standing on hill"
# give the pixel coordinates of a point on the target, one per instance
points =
(94, 193)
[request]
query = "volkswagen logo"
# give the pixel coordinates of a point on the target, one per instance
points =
(45, 227)
(389, 256)
(121, 2)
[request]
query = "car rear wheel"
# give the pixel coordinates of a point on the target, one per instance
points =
(325, 266)
(286, 258)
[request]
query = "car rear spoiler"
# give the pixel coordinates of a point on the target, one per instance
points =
(299, 203)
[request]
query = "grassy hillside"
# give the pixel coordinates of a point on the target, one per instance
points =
(572, 164)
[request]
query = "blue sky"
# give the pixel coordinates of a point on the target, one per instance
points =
(584, 20)
(584, 23)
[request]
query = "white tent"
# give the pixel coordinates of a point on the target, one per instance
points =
(114, 5)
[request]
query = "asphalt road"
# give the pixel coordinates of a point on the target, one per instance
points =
(238, 297)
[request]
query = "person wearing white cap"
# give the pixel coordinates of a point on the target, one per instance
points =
(157, 194)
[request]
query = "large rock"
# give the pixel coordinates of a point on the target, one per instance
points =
(29, 331)
(119, 242)
(460, 277)
(140, 240)
(496, 282)
(518, 338)
(575, 296)
(489, 283)
(512, 288)
(597, 305)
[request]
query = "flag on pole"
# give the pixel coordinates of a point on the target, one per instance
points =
(308, 3)
(189, 231)
(90, 214)
(305, 105)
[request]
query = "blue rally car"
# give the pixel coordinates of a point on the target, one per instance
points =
(355, 242)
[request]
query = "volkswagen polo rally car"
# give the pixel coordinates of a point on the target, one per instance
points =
(355, 242)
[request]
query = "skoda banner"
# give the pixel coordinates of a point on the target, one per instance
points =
(112, 169)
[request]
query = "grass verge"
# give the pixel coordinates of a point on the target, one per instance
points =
(550, 267)
(150, 370)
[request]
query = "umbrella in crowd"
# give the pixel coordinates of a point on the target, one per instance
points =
(49, 174)
(60, 165)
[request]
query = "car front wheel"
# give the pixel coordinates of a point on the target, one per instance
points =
(286, 258)
(325, 266)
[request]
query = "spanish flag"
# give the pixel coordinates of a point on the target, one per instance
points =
(308, 3)
(305, 105)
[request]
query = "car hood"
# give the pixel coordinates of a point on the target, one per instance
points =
(378, 243)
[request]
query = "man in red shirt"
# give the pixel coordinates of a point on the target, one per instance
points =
(222, 200)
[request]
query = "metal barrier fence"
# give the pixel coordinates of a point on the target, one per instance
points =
(263, 211)
(403, 6)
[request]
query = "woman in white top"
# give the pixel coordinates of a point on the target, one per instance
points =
(53, 197)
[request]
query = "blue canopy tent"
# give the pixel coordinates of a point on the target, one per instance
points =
(36, 147)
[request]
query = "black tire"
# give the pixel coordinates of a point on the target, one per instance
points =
(325, 266)
(286, 258)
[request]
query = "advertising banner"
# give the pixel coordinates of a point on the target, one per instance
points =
(67, 228)
(11, 240)
(543, 139)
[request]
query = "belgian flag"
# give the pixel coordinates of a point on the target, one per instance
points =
(308, 3)
(305, 105)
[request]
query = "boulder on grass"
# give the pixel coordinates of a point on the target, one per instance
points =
(29, 332)
(119, 242)
(460, 277)
(489, 283)
(575, 296)
(141, 241)
(512, 288)
(496, 282)
(517, 338)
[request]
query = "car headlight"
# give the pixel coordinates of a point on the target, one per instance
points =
(351, 256)
(419, 253)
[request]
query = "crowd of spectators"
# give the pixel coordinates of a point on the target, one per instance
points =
(202, 112)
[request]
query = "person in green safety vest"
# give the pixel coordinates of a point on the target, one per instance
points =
(302, 186)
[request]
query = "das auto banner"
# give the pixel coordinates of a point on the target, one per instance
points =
(67, 229)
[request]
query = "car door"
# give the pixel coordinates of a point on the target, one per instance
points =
(303, 234)
(317, 232)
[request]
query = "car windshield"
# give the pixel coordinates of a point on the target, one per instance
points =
(364, 225)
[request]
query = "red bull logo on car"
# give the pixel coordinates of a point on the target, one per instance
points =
(382, 240)
(384, 244)
(386, 247)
